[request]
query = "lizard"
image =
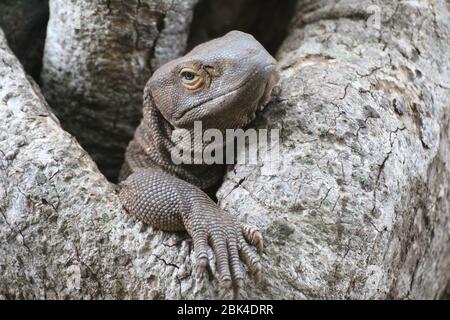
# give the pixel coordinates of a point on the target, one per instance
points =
(222, 83)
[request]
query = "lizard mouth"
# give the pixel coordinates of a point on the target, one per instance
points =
(243, 84)
(223, 95)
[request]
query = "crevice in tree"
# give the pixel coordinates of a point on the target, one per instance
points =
(267, 21)
(26, 40)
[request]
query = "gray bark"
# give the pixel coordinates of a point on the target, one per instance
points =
(98, 56)
(63, 233)
(359, 207)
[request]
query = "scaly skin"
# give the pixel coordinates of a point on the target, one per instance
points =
(221, 83)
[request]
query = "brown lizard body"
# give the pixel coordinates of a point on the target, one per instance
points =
(221, 83)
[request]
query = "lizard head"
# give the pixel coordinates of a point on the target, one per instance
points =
(222, 83)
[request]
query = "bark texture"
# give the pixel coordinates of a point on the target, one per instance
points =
(98, 56)
(63, 233)
(358, 209)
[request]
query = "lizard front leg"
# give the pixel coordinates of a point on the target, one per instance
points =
(171, 204)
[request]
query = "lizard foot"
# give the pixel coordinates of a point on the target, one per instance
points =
(171, 204)
(230, 243)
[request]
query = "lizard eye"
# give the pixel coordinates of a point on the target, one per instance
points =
(188, 76)
(190, 79)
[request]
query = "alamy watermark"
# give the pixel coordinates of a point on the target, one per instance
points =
(231, 146)
(374, 19)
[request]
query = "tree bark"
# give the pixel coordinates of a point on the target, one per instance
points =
(358, 209)
(63, 233)
(360, 206)
(98, 56)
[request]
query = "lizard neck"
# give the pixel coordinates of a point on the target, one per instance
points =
(159, 131)
(153, 139)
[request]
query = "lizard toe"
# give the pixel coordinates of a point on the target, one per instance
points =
(201, 248)
(251, 259)
(237, 271)
(219, 246)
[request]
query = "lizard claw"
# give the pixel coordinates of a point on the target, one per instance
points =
(253, 236)
(202, 263)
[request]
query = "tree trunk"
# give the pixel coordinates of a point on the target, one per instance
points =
(63, 233)
(98, 56)
(359, 207)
